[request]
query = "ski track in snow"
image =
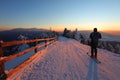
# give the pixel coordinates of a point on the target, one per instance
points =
(66, 59)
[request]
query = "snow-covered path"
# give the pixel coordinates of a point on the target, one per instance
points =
(66, 59)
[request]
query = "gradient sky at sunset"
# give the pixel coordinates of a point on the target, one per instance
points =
(58, 14)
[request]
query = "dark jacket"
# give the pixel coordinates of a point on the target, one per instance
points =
(95, 36)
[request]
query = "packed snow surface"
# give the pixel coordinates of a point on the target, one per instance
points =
(66, 59)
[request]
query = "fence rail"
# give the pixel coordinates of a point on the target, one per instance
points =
(4, 75)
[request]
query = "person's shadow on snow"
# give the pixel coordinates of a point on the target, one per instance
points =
(92, 70)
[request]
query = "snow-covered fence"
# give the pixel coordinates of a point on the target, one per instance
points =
(4, 59)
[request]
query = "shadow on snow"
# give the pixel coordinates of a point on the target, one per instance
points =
(92, 70)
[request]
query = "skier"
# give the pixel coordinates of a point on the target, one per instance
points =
(94, 36)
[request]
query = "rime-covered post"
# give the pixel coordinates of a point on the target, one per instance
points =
(2, 67)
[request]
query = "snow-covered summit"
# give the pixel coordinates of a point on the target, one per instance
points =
(66, 59)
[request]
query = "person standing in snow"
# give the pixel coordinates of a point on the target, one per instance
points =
(94, 36)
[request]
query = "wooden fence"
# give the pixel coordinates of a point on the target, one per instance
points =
(3, 59)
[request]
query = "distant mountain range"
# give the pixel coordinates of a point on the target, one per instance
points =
(10, 35)
(117, 33)
(25, 29)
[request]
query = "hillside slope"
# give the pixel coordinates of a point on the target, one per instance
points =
(66, 59)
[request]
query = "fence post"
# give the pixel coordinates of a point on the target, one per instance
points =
(1, 50)
(45, 43)
(2, 67)
(50, 41)
(54, 39)
(35, 45)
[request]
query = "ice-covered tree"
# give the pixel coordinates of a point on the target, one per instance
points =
(117, 48)
(22, 37)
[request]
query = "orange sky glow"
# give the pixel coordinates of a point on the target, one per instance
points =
(69, 27)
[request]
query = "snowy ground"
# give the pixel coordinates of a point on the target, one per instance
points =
(66, 59)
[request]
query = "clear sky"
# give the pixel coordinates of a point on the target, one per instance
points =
(58, 14)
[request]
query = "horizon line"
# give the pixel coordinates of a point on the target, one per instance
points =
(4, 29)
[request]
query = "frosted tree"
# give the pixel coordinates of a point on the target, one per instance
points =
(105, 44)
(76, 34)
(21, 37)
(117, 48)
(22, 46)
(111, 48)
